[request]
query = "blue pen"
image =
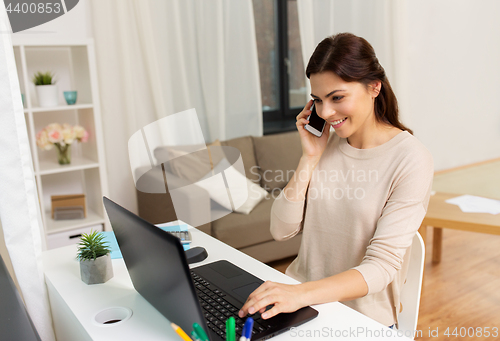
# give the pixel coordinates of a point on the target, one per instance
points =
(246, 333)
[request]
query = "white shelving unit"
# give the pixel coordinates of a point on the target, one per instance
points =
(75, 68)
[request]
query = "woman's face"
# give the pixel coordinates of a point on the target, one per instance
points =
(347, 106)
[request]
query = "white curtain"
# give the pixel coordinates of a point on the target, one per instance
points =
(19, 208)
(383, 23)
(316, 19)
(399, 70)
(156, 58)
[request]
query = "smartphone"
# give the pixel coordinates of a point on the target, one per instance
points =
(316, 124)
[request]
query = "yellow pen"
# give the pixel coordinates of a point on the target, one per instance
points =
(180, 332)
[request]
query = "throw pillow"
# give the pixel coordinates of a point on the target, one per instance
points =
(245, 194)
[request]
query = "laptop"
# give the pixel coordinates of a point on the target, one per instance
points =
(208, 294)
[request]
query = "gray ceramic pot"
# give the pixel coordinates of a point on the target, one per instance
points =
(96, 271)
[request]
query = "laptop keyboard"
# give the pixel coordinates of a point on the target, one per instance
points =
(217, 310)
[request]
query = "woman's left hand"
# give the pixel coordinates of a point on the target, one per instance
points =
(285, 298)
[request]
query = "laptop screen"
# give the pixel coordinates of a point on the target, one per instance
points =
(157, 266)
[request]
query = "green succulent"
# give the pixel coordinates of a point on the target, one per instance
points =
(41, 78)
(92, 246)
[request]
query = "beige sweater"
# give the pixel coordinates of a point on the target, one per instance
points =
(362, 210)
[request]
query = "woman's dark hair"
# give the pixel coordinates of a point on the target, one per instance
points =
(353, 59)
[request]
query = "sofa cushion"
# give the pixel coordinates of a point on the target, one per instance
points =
(245, 146)
(240, 230)
(278, 157)
(186, 164)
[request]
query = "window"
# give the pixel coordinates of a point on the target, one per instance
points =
(282, 73)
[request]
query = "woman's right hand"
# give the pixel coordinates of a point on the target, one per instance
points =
(312, 146)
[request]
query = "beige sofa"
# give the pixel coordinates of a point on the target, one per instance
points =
(268, 161)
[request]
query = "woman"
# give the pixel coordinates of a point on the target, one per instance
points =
(358, 195)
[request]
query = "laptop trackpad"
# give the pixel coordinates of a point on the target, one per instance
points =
(226, 269)
(244, 291)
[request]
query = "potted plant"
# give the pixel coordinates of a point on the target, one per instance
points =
(46, 89)
(95, 258)
(61, 136)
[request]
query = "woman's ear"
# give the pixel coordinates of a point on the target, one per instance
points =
(374, 88)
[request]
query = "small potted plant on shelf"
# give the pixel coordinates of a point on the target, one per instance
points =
(46, 89)
(95, 258)
(61, 136)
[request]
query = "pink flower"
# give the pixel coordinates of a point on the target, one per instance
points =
(60, 135)
(42, 140)
(55, 136)
(85, 136)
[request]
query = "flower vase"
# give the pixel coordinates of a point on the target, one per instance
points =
(64, 154)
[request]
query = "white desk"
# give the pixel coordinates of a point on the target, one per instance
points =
(75, 304)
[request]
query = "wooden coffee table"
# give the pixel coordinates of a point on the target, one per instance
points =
(443, 215)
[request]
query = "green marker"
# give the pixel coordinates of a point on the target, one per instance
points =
(230, 329)
(195, 336)
(200, 332)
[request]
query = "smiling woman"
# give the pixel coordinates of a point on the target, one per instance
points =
(355, 230)
(353, 62)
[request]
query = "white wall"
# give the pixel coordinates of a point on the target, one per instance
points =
(455, 79)
(453, 75)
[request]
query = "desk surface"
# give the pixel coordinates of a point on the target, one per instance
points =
(75, 304)
(442, 214)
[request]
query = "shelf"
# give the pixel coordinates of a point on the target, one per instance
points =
(56, 226)
(60, 108)
(77, 163)
(74, 64)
